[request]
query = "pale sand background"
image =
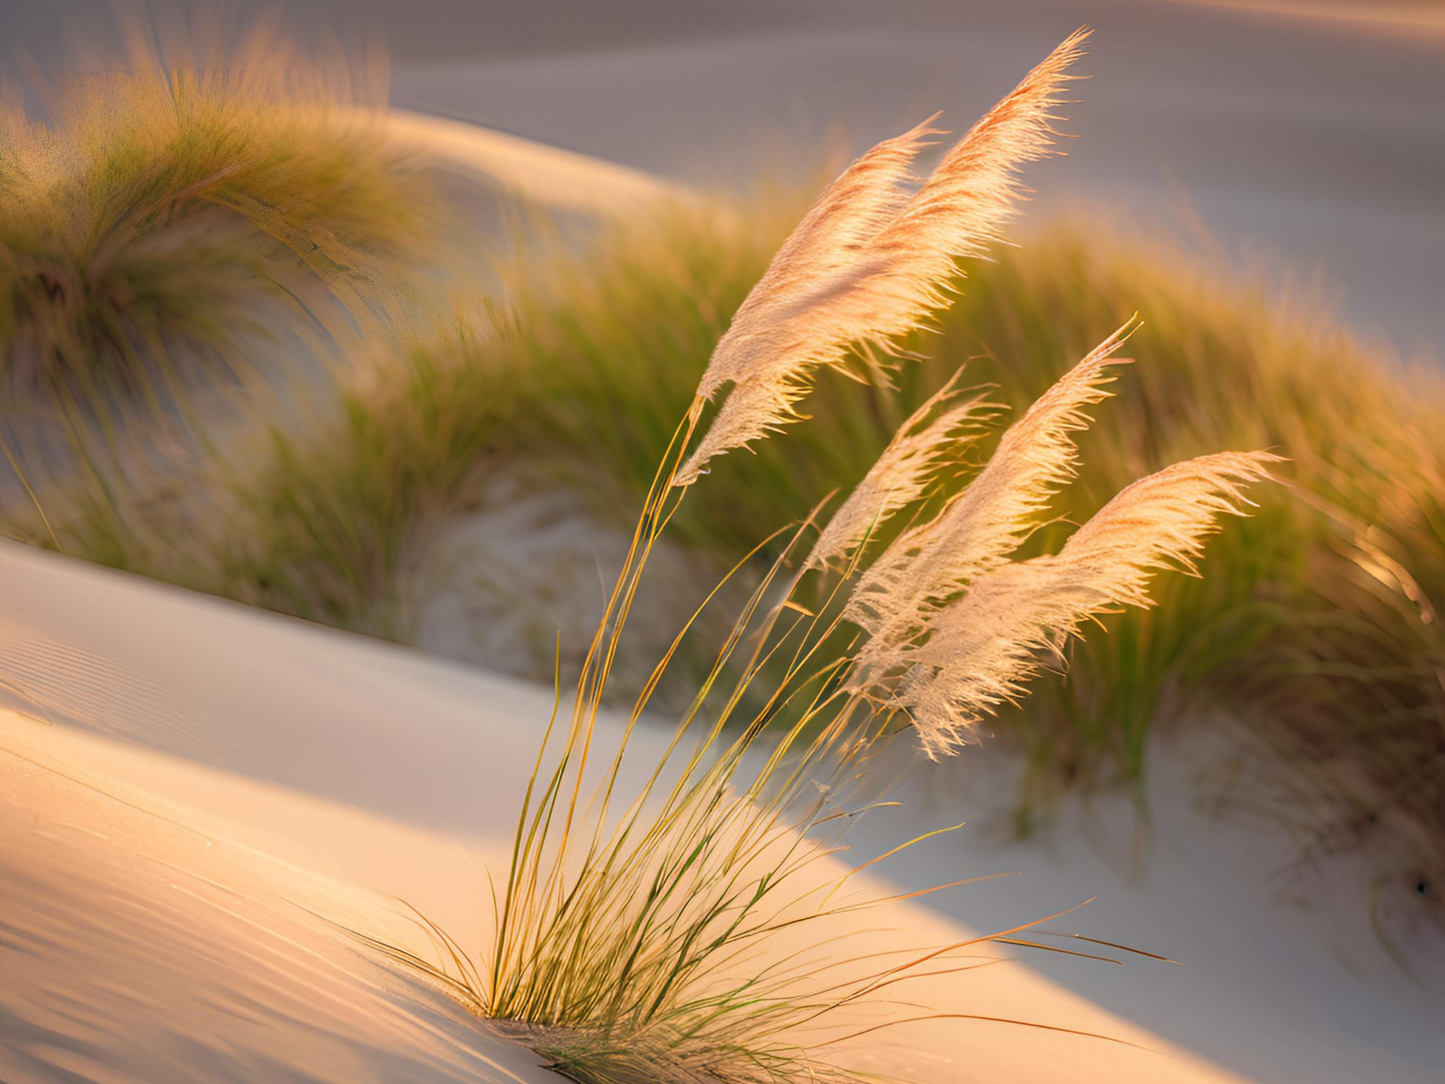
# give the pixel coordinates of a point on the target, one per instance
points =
(1312, 138)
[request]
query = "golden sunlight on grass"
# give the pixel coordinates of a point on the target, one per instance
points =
(1023, 514)
(628, 949)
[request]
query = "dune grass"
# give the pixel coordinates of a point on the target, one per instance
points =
(1318, 624)
(178, 225)
(670, 942)
(673, 942)
(151, 205)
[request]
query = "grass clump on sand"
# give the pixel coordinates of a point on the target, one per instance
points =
(1318, 624)
(179, 225)
(152, 203)
(1318, 628)
(335, 512)
(340, 511)
(669, 942)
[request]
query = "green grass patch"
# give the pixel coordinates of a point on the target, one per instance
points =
(173, 239)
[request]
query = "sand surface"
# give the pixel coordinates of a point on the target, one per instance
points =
(550, 177)
(231, 792)
(150, 939)
(140, 943)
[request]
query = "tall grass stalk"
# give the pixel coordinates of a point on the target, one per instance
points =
(1317, 629)
(661, 943)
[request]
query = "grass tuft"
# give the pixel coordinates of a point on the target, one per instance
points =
(668, 941)
(185, 230)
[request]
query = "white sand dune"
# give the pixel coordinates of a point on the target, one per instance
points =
(179, 895)
(558, 179)
(179, 900)
(1389, 16)
(137, 945)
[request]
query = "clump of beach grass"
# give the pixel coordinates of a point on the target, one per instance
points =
(177, 224)
(661, 943)
(150, 200)
(1318, 628)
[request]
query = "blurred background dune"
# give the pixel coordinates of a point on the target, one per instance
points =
(1308, 132)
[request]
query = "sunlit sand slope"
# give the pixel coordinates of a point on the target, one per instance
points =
(543, 175)
(170, 905)
(135, 946)
(151, 940)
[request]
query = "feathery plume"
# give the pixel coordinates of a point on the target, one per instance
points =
(903, 472)
(869, 279)
(986, 522)
(1160, 522)
(831, 238)
(984, 647)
